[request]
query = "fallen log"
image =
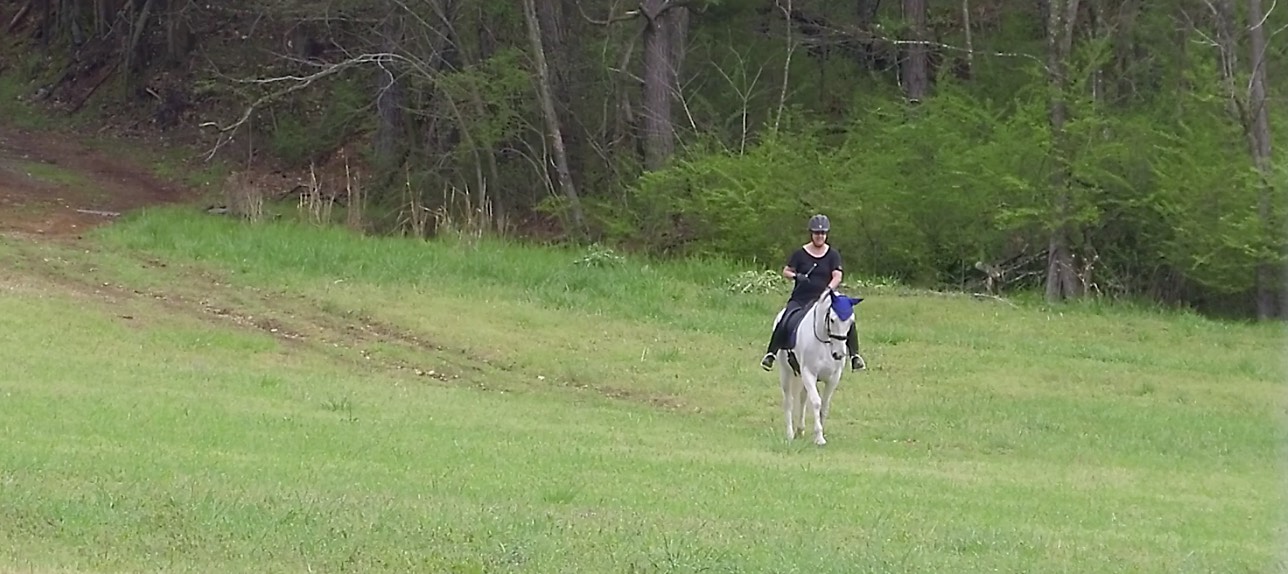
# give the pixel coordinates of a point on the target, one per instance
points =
(99, 212)
(102, 78)
(22, 12)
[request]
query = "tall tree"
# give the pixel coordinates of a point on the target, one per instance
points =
(1259, 135)
(553, 127)
(1251, 112)
(1061, 279)
(915, 64)
(553, 16)
(664, 31)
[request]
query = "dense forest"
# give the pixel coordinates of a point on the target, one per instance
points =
(1077, 148)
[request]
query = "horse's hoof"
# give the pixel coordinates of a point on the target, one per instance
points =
(820, 441)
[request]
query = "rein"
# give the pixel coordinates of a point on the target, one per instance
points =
(826, 323)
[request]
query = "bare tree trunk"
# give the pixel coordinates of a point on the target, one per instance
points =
(389, 98)
(1261, 153)
(1096, 22)
(1125, 47)
(551, 116)
(1228, 52)
(916, 61)
(46, 22)
(69, 20)
(132, 46)
(659, 134)
(178, 34)
(1061, 281)
(624, 133)
(553, 17)
(101, 15)
(553, 24)
(970, 42)
(866, 10)
(1251, 112)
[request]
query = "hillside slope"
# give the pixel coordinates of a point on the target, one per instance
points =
(58, 183)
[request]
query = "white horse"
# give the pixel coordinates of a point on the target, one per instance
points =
(818, 355)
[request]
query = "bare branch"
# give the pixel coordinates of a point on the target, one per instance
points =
(787, 62)
(669, 5)
(1206, 40)
(633, 14)
(678, 93)
(628, 74)
(744, 95)
(299, 83)
(847, 33)
(1259, 60)
(623, 17)
(426, 25)
(1266, 16)
(970, 43)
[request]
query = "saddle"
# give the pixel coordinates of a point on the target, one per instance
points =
(785, 331)
(785, 335)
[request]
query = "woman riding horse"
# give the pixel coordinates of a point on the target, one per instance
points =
(815, 267)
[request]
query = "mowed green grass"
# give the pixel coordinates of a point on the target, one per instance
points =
(617, 422)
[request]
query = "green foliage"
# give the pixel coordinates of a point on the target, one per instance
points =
(958, 186)
(1205, 208)
(600, 256)
(1160, 184)
(504, 87)
(732, 204)
(309, 129)
(757, 282)
(919, 193)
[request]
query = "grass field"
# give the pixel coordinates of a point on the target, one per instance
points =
(184, 394)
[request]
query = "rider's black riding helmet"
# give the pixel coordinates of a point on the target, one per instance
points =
(820, 223)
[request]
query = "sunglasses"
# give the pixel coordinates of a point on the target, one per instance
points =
(818, 233)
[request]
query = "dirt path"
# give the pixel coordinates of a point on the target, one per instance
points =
(57, 184)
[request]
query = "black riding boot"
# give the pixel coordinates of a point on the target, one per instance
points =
(852, 345)
(767, 362)
(778, 338)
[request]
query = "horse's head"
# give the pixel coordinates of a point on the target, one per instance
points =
(840, 316)
(842, 312)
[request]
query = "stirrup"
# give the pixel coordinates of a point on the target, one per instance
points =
(767, 362)
(857, 363)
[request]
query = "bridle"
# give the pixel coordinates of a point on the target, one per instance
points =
(827, 325)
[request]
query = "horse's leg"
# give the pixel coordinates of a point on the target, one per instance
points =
(815, 405)
(801, 401)
(833, 381)
(786, 379)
